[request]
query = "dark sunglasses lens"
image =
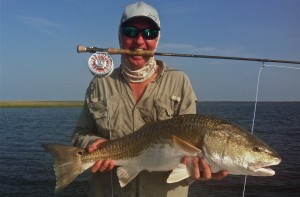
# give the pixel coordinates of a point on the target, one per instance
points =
(131, 32)
(150, 33)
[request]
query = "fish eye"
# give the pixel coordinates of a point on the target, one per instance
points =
(80, 153)
(257, 149)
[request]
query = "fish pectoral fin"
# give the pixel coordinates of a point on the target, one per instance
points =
(181, 172)
(187, 147)
(126, 174)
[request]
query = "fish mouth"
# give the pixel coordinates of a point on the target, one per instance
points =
(264, 172)
(264, 169)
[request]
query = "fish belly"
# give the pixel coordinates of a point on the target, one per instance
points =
(158, 157)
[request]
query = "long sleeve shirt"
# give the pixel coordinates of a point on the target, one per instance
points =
(110, 111)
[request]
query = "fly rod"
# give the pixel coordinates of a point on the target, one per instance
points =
(82, 49)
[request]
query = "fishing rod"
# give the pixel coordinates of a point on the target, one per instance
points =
(83, 49)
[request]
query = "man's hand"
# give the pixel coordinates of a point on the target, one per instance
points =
(201, 170)
(100, 165)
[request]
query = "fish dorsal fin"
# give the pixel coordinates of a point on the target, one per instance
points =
(181, 172)
(186, 147)
(126, 174)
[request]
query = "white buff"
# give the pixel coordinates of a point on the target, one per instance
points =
(141, 75)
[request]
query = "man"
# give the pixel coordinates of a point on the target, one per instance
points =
(141, 90)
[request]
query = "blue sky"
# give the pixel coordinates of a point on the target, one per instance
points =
(38, 41)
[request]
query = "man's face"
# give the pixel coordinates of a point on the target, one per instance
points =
(138, 43)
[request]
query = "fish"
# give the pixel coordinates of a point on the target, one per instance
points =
(161, 145)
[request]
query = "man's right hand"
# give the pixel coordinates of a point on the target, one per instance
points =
(100, 165)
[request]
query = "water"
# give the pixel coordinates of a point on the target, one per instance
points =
(26, 169)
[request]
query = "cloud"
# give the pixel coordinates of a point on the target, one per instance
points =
(40, 24)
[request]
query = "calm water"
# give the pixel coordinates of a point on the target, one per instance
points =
(26, 169)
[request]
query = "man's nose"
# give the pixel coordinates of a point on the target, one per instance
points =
(140, 39)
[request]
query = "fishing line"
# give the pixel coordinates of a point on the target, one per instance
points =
(109, 128)
(101, 65)
(254, 115)
(257, 87)
(256, 101)
(256, 96)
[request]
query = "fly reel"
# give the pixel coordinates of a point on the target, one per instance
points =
(101, 64)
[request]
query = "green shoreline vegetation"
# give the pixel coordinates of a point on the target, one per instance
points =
(39, 104)
(57, 104)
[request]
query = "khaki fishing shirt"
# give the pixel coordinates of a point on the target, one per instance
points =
(169, 95)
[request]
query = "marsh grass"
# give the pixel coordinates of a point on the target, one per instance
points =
(39, 104)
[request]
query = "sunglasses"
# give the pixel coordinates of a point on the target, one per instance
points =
(133, 32)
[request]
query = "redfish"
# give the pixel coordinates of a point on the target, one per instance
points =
(160, 146)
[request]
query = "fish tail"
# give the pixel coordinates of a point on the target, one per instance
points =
(67, 163)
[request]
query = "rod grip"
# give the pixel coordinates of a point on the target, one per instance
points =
(130, 52)
(83, 49)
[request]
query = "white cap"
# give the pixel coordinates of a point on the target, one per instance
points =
(140, 9)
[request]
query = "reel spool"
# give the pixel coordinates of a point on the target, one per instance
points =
(101, 64)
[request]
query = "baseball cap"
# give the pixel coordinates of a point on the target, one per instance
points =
(140, 9)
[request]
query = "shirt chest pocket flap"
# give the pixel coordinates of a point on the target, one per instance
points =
(163, 108)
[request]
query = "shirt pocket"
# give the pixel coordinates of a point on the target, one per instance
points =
(103, 115)
(163, 108)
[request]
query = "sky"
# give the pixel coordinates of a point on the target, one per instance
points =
(38, 39)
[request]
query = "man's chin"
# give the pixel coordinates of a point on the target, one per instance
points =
(137, 62)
